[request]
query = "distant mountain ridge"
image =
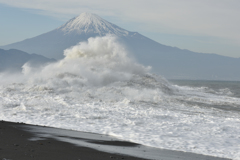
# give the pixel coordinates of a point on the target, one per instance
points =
(12, 60)
(171, 62)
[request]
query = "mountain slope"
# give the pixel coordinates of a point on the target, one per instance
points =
(12, 60)
(168, 61)
(175, 63)
(78, 29)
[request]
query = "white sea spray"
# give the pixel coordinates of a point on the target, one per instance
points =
(98, 88)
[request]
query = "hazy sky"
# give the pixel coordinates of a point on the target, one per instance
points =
(209, 26)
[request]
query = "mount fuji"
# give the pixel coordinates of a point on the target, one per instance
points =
(171, 62)
(53, 43)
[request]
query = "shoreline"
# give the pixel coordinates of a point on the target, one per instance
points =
(21, 141)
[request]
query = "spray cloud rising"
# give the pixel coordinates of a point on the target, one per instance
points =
(98, 88)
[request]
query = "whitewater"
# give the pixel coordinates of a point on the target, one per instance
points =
(98, 87)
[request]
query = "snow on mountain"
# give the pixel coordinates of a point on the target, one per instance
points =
(53, 43)
(171, 62)
(91, 23)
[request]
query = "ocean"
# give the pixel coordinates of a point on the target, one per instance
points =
(99, 88)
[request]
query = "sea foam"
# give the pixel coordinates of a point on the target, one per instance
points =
(98, 87)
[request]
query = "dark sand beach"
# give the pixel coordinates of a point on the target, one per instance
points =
(22, 142)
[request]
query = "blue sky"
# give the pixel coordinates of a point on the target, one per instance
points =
(208, 26)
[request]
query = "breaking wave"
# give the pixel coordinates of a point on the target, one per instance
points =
(99, 88)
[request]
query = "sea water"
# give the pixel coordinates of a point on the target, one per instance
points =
(98, 87)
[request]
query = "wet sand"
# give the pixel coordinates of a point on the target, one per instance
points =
(24, 142)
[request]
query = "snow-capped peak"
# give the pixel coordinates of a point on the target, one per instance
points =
(89, 23)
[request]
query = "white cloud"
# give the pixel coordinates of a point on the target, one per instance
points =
(217, 18)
